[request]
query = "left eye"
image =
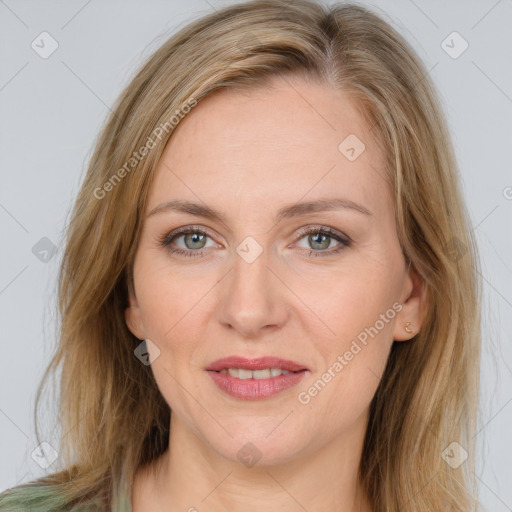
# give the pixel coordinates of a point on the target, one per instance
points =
(319, 241)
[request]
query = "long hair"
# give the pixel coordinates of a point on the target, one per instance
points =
(112, 415)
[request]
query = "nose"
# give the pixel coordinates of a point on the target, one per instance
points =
(252, 299)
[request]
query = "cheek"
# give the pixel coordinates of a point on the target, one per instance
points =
(341, 392)
(365, 322)
(168, 298)
(353, 304)
(172, 306)
(170, 311)
(362, 316)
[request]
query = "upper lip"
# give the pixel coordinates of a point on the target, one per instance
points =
(259, 363)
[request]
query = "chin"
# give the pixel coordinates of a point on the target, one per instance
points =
(252, 445)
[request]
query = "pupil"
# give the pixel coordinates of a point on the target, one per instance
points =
(315, 237)
(195, 238)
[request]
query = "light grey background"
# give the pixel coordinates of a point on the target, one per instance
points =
(52, 109)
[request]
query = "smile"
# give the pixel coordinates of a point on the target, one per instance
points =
(242, 373)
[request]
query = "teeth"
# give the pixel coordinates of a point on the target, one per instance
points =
(261, 374)
(242, 373)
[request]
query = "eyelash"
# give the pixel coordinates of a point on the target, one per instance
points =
(167, 239)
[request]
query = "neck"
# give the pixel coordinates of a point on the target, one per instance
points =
(191, 476)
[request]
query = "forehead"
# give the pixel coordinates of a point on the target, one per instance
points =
(272, 146)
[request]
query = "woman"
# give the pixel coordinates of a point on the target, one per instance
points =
(271, 243)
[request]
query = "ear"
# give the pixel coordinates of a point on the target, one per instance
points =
(132, 315)
(414, 307)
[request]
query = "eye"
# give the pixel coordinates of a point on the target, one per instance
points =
(319, 239)
(193, 240)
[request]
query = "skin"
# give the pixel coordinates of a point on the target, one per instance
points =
(247, 154)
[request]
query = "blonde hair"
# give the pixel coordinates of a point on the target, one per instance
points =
(112, 414)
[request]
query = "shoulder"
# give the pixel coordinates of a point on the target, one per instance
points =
(47, 495)
(31, 497)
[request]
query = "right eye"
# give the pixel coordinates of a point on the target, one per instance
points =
(193, 241)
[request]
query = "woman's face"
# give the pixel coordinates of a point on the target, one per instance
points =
(257, 284)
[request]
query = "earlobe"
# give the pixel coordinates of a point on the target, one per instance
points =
(414, 308)
(132, 316)
(133, 321)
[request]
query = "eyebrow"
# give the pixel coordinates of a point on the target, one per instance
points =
(289, 211)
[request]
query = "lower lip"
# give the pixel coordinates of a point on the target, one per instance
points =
(255, 389)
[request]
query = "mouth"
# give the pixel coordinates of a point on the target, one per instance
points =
(259, 368)
(266, 373)
(255, 379)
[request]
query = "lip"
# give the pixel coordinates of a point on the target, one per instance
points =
(259, 363)
(255, 389)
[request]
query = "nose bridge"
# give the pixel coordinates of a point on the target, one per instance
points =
(251, 299)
